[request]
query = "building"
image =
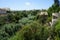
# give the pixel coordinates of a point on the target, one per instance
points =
(4, 10)
(43, 13)
(55, 17)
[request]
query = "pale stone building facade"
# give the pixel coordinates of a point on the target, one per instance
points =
(4, 10)
(55, 17)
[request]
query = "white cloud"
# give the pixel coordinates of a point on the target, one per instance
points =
(27, 3)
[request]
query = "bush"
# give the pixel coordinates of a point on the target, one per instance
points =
(33, 31)
(3, 35)
(12, 28)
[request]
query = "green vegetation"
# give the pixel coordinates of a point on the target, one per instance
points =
(33, 31)
(27, 25)
(30, 25)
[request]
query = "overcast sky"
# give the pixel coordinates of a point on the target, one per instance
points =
(26, 4)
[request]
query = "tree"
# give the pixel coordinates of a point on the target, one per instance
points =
(10, 18)
(17, 17)
(54, 8)
(56, 2)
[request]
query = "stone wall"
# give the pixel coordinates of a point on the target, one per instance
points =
(55, 17)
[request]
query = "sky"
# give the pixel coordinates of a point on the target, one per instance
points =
(26, 4)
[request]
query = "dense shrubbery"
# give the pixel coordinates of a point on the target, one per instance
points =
(57, 30)
(13, 22)
(33, 31)
(9, 30)
(26, 25)
(12, 28)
